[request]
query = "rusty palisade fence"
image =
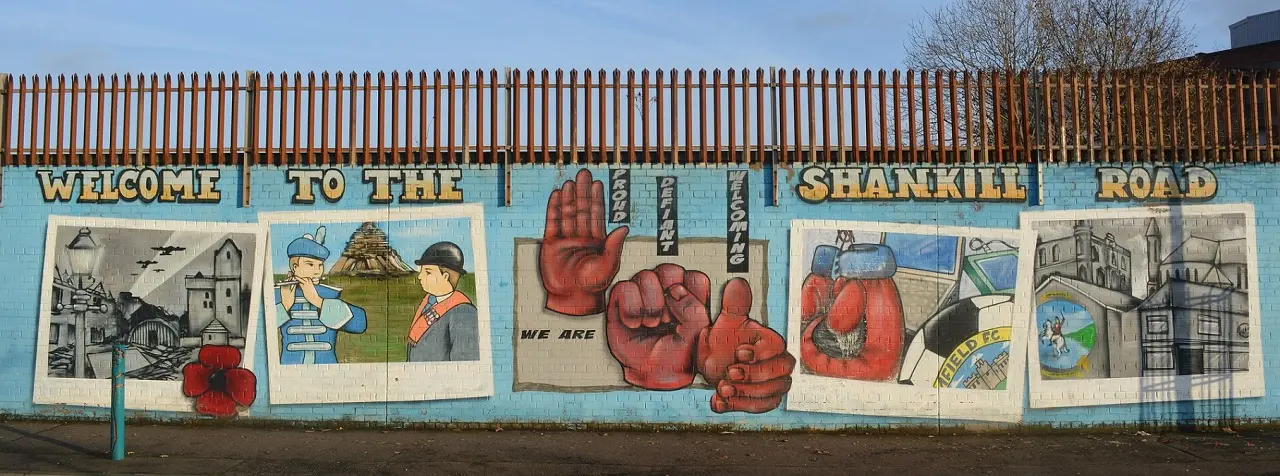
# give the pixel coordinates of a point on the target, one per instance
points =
(662, 116)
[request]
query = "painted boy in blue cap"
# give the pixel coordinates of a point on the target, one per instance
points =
(310, 314)
(445, 326)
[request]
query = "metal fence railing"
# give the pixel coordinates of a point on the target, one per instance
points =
(687, 117)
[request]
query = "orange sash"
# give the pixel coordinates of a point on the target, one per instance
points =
(423, 322)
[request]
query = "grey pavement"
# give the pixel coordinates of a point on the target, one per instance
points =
(77, 448)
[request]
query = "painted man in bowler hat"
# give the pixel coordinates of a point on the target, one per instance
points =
(444, 327)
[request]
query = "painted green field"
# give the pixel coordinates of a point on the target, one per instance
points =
(388, 305)
(1084, 336)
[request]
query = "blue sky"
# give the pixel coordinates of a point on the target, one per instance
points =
(63, 36)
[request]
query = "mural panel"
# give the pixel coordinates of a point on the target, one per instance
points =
(908, 320)
(624, 289)
(166, 289)
(599, 310)
(1144, 305)
(379, 305)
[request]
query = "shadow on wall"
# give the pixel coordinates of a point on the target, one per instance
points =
(1183, 413)
(1155, 411)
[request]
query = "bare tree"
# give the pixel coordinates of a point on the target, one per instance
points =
(1072, 35)
(979, 34)
(1135, 45)
(1087, 35)
(975, 35)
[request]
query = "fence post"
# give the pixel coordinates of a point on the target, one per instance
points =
(1035, 143)
(770, 166)
(5, 90)
(250, 155)
(506, 156)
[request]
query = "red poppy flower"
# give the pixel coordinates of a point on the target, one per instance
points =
(217, 383)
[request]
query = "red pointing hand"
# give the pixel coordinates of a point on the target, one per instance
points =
(653, 323)
(745, 362)
(853, 328)
(576, 261)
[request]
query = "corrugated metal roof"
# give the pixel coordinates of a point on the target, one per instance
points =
(1256, 29)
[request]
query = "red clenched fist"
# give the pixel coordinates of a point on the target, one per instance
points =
(853, 328)
(576, 260)
(653, 323)
(745, 362)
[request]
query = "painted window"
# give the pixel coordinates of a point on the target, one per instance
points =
(228, 310)
(1210, 325)
(930, 253)
(1041, 253)
(53, 334)
(1096, 255)
(207, 295)
(228, 292)
(1157, 324)
(228, 254)
(1055, 253)
(1240, 360)
(1159, 358)
(1216, 358)
(95, 335)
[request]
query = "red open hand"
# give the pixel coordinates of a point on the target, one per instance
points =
(652, 324)
(745, 362)
(576, 260)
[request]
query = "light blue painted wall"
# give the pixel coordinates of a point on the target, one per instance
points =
(702, 212)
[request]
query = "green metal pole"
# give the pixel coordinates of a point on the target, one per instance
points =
(117, 402)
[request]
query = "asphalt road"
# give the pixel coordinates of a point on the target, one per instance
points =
(53, 448)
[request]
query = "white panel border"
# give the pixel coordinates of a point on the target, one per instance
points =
(139, 394)
(835, 395)
(385, 382)
(1115, 391)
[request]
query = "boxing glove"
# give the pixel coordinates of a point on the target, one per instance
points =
(856, 329)
(815, 297)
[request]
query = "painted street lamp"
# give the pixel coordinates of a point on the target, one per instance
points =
(84, 254)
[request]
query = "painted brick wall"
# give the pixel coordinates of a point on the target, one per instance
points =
(1075, 188)
(702, 212)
